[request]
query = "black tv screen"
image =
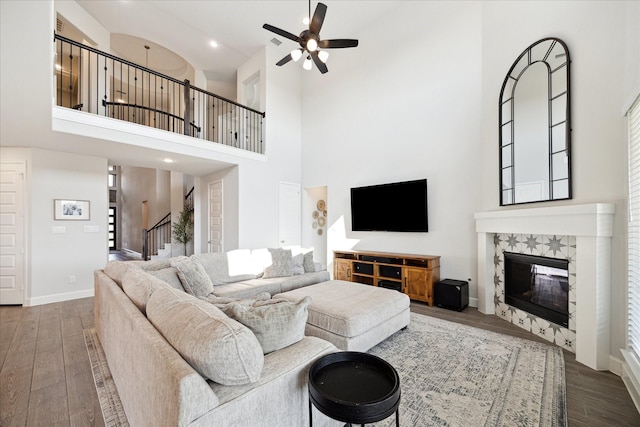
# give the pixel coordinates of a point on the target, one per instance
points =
(399, 206)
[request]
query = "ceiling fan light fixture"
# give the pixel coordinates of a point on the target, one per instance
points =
(307, 63)
(296, 54)
(312, 45)
(323, 55)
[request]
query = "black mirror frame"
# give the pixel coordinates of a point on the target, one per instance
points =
(567, 121)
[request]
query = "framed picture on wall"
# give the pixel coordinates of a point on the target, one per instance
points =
(71, 210)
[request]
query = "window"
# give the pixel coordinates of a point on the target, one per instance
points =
(633, 118)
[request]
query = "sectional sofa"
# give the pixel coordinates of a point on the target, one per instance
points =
(178, 355)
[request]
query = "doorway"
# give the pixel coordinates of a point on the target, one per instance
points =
(12, 232)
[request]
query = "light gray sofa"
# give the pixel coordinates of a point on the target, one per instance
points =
(137, 329)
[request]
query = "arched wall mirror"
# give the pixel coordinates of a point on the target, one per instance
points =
(535, 126)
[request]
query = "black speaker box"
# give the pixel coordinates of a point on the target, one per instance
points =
(363, 268)
(452, 294)
(390, 271)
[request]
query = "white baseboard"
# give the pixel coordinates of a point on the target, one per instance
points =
(631, 376)
(615, 365)
(48, 299)
(473, 302)
(132, 253)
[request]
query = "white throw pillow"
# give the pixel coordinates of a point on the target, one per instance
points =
(276, 323)
(193, 276)
(281, 264)
(216, 346)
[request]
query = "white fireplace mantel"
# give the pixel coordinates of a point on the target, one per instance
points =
(592, 225)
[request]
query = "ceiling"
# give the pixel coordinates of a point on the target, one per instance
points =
(187, 27)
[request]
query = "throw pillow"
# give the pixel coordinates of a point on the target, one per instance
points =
(276, 323)
(307, 253)
(298, 264)
(281, 264)
(169, 275)
(192, 275)
(224, 303)
(309, 265)
(218, 347)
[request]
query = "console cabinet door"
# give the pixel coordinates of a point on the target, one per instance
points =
(342, 270)
(417, 283)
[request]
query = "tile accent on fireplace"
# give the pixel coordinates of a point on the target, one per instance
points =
(551, 246)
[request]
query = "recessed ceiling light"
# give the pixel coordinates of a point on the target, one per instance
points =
(213, 43)
(168, 160)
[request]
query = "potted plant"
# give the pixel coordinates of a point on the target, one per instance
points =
(183, 228)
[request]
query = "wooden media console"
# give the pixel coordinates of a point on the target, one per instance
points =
(414, 275)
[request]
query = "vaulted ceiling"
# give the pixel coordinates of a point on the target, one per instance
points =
(188, 27)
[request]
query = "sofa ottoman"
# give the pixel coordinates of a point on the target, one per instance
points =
(352, 316)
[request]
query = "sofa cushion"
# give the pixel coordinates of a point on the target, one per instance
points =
(276, 323)
(250, 288)
(281, 264)
(154, 264)
(139, 285)
(169, 275)
(295, 282)
(216, 346)
(193, 276)
(118, 269)
(228, 267)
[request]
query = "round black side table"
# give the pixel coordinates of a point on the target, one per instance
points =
(354, 387)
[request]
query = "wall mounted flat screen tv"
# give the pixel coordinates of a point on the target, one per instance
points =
(398, 206)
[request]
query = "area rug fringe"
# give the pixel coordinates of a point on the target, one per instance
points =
(450, 375)
(110, 404)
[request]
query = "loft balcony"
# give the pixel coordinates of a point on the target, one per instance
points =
(99, 83)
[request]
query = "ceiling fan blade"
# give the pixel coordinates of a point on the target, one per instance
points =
(282, 33)
(337, 43)
(284, 60)
(321, 65)
(318, 18)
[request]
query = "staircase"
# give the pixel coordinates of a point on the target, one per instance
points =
(163, 252)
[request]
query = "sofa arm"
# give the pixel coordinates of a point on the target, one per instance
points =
(155, 384)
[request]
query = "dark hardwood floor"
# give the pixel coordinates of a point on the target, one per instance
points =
(46, 379)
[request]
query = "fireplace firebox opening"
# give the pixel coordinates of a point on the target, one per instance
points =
(538, 285)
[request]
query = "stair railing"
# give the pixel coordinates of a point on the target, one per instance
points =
(99, 83)
(156, 237)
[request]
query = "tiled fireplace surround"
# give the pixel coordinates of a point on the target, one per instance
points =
(579, 233)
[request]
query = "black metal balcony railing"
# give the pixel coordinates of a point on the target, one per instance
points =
(99, 83)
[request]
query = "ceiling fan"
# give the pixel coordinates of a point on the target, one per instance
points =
(310, 42)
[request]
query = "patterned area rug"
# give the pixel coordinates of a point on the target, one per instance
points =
(456, 375)
(450, 375)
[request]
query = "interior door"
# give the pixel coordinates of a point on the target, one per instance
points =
(289, 214)
(12, 244)
(215, 216)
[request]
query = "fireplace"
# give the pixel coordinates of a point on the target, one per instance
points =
(538, 285)
(533, 231)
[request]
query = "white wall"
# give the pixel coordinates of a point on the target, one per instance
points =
(259, 181)
(138, 185)
(419, 99)
(54, 257)
(403, 105)
(599, 149)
